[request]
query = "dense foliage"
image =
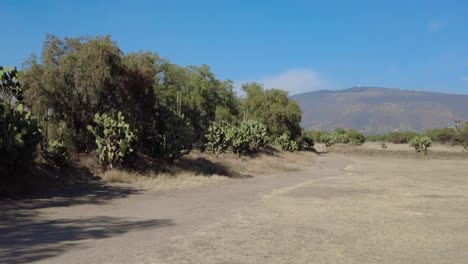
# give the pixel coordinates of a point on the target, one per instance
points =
(286, 143)
(171, 109)
(56, 153)
(272, 108)
(339, 135)
(246, 137)
(19, 137)
(114, 138)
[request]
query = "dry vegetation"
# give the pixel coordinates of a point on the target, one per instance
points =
(201, 168)
(437, 151)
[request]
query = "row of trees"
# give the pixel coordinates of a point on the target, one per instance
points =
(87, 96)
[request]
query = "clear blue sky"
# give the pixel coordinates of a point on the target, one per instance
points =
(298, 45)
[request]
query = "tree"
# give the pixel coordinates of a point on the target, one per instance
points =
(272, 108)
(76, 77)
(204, 98)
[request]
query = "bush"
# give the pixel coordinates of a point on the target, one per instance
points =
(217, 137)
(114, 139)
(56, 153)
(316, 135)
(383, 145)
(287, 144)
(169, 139)
(328, 140)
(257, 134)
(305, 142)
(19, 137)
(461, 136)
(247, 137)
(238, 137)
(446, 134)
(355, 137)
(421, 143)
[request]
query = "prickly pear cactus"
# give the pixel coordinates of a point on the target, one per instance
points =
(56, 153)
(421, 143)
(9, 84)
(287, 144)
(114, 138)
(19, 137)
(217, 137)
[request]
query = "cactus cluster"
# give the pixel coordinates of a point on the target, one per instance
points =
(247, 137)
(286, 143)
(343, 136)
(114, 138)
(56, 153)
(421, 143)
(19, 137)
(9, 84)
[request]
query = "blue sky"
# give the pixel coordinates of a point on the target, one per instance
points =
(295, 45)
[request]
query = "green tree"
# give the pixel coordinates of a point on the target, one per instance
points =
(272, 108)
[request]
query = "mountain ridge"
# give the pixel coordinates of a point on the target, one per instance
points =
(380, 109)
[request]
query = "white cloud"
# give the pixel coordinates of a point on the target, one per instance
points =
(435, 26)
(294, 81)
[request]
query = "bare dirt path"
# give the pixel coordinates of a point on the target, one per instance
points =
(353, 209)
(383, 210)
(116, 224)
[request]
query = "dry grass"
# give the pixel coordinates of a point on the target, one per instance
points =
(198, 169)
(437, 151)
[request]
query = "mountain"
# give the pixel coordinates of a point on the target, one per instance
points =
(379, 110)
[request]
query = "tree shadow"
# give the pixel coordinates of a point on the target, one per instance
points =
(25, 236)
(319, 153)
(196, 165)
(28, 240)
(205, 167)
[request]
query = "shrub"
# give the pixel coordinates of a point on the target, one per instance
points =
(305, 142)
(114, 138)
(339, 135)
(421, 143)
(461, 136)
(169, 139)
(355, 137)
(247, 137)
(257, 134)
(446, 134)
(383, 145)
(328, 140)
(238, 137)
(287, 144)
(217, 137)
(19, 137)
(56, 153)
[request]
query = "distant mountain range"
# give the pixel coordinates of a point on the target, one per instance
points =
(379, 110)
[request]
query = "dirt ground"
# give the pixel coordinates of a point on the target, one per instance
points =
(337, 209)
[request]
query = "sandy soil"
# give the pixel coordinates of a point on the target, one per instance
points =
(339, 209)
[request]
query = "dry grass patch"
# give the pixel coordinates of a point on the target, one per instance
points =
(198, 169)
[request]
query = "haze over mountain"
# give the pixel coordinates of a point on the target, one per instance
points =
(379, 110)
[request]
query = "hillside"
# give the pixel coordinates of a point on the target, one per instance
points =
(377, 110)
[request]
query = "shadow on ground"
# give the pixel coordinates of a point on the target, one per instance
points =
(25, 236)
(32, 240)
